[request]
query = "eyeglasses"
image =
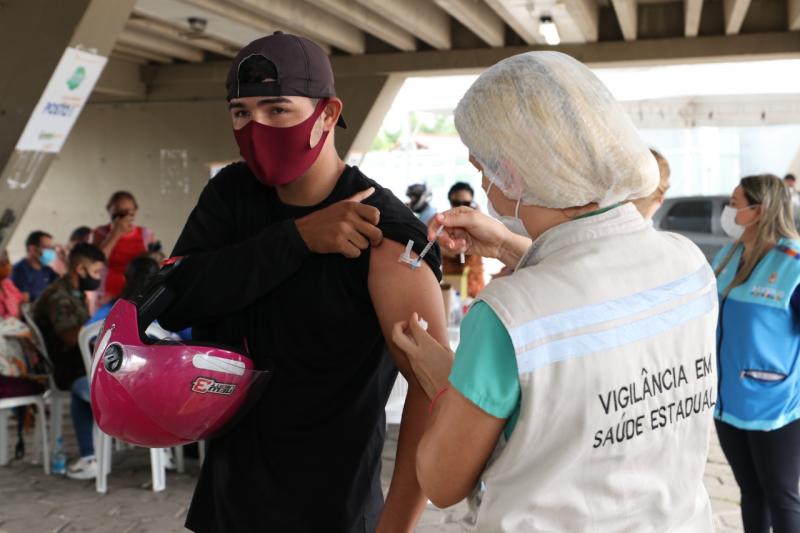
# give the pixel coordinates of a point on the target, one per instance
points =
(462, 203)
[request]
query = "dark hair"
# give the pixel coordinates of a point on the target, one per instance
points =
(460, 186)
(36, 237)
(84, 251)
(138, 273)
(121, 195)
(790, 177)
(80, 233)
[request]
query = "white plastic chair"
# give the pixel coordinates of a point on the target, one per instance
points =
(37, 400)
(103, 441)
(53, 395)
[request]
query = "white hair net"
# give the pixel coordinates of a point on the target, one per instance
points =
(546, 130)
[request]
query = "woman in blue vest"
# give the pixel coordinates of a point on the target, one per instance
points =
(758, 341)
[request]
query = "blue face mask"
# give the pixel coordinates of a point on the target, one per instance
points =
(48, 256)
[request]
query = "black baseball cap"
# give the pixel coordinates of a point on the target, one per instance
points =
(299, 65)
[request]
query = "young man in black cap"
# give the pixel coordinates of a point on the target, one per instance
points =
(295, 254)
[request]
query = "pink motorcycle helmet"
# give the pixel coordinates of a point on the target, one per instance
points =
(164, 393)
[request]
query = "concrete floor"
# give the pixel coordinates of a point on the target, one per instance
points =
(31, 502)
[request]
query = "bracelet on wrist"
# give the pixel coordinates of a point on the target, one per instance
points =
(436, 397)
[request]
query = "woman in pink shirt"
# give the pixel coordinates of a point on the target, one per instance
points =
(10, 296)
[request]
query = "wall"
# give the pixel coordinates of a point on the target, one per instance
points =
(159, 152)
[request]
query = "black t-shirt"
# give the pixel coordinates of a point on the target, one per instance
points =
(308, 456)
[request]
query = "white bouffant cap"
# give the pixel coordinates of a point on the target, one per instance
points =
(546, 130)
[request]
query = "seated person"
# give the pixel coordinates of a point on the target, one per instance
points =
(10, 295)
(33, 274)
(60, 312)
(461, 194)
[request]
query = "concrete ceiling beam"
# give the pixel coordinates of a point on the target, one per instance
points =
(181, 35)
(794, 14)
(505, 10)
(251, 20)
(422, 18)
(124, 56)
(310, 20)
(369, 21)
(734, 11)
(205, 80)
(627, 12)
(478, 18)
(692, 9)
(160, 45)
(584, 14)
(147, 55)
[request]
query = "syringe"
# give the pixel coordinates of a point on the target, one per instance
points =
(415, 263)
(428, 246)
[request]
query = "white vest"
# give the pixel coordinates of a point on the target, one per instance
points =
(613, 324)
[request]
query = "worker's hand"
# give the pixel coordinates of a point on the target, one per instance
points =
(346, 227)
(430, 361)
(468, 231)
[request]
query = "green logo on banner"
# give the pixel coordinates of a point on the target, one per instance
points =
(76, 79)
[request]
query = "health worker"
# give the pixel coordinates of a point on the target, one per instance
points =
(758, 343)
(580, 397)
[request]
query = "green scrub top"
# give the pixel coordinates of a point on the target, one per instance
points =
(485, 367)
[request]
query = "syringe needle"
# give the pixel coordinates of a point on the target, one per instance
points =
(429, 246)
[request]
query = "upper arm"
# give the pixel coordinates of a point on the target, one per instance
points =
(397, 291)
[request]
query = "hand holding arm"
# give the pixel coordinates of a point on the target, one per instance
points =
(347, 227)
(220, 276)
(430, 360)
(447, 469)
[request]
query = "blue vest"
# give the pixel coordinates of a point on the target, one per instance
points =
(758, 341)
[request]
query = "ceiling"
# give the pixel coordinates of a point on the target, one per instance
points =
(195, 31)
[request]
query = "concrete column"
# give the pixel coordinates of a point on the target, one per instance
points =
(33, 36)
(366, 101)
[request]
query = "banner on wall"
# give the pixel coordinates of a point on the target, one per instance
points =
(63, 99)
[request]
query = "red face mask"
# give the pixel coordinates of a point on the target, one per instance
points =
(278, 156)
